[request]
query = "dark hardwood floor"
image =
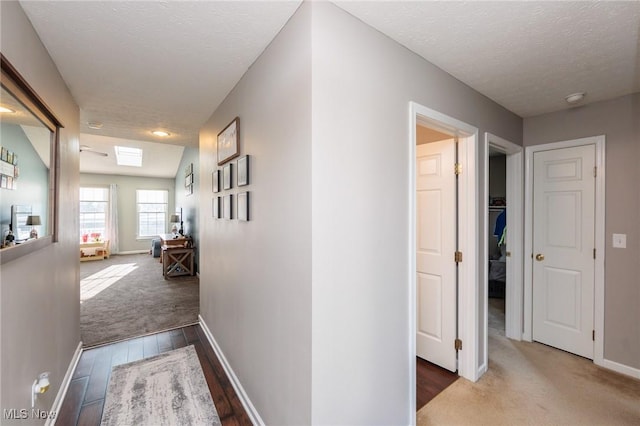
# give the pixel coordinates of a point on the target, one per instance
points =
(84, 401)
(430, 381)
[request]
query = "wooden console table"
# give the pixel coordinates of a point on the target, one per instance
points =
(177, 261)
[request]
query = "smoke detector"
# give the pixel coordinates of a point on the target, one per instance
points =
(575, 98)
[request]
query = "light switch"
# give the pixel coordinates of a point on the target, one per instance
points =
(620, 240)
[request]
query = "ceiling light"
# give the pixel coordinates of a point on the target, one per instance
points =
(574, 98)
(161, 133)
(94, 125)
(5, 109)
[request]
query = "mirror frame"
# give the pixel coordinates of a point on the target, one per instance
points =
(17, 86)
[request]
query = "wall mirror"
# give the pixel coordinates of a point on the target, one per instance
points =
(28, 167)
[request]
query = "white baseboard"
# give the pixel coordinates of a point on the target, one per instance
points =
(131, 252)
(621, 368)
(246, 402)
(64, 386)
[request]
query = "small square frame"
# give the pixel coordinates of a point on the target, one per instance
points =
(243, 206)
(243, 171)
(215, 178)
(227, 207)
(227, 173)
(216, 207)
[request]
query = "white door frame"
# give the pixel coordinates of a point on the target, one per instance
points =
(599, 142)
(515, 218)
(468, 241)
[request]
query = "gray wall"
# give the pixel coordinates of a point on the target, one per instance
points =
(310, 301)
(127, 218)
(362, 85)
(33, 182)
(255, 277)
(619, 121)
(189, 203)
(40, 293)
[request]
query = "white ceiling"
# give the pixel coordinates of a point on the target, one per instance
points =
(137, 66)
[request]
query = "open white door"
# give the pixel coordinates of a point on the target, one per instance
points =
(564, 248)
(436, 245)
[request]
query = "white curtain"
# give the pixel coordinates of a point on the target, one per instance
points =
(112, 219)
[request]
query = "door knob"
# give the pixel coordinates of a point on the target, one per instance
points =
(539, 257)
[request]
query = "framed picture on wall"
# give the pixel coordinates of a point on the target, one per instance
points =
(243, 206)
(227, 206)
(226, 176)
(243, 171)
(228, 142)
(215, 178)
(215, 207)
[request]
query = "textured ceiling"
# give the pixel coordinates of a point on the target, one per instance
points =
(526, 56)
(137, 66)
(141, 65)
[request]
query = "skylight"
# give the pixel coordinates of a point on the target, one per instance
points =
(126, 156)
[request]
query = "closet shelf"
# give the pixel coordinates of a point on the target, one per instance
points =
(497, 208)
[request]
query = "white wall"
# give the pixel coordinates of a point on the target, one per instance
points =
(362, 85)
(39, 293)
(255, 277)
(127, 208)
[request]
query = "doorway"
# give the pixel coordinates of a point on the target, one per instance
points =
(465, 304)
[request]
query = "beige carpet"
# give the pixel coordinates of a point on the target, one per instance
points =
(533, 384)
(127, 296)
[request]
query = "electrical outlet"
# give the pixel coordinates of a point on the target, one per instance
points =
(620, 240)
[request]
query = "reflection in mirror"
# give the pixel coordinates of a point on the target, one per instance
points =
(28, 183)
(25, 163)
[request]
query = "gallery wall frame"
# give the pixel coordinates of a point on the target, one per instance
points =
(215, 181)
(228, 142)
(227, 173)
(243, 206)
(243, 171)
(227, 207)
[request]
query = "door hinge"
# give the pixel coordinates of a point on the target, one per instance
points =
(458, 169)
(594, 253)
(457, 256)
(458, 344)
(595, 171)
(593, 335)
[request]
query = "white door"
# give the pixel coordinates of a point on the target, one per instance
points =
(563, 248)
(436, 245)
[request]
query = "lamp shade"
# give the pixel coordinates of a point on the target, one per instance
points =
(33, 220)
(174, 218)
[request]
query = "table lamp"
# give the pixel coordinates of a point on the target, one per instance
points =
(33, 221)
(175, 219)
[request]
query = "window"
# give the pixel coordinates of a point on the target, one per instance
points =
(152, 212)
(94, 207)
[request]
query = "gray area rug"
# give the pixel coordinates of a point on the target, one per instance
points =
(168, 389)
(127, 296)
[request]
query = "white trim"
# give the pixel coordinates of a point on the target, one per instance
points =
(599, 142)
(412, 262)
(237, 386)
(621, 368)
(515, 218)
(64, 386)
(131, 252)
(468, 241)
(513, 288)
